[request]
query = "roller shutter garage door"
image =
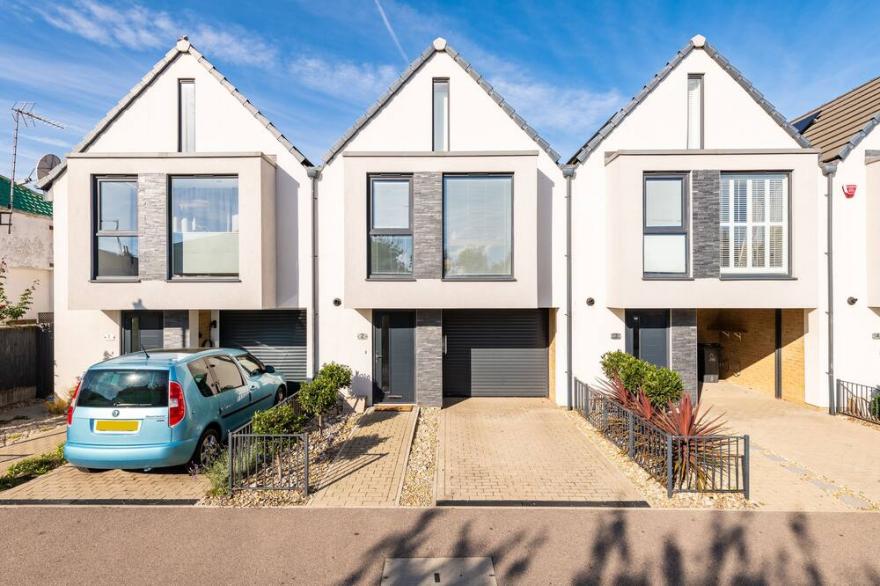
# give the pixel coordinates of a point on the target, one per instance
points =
(495, 353)
(275, 337)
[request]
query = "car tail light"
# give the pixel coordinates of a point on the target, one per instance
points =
(72, 405)
(176, 403)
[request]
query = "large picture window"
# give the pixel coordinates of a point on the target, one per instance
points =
(204, 226)
(665, 238)
(754, 223)
(390, 218)
(478, 226)
(116, 237)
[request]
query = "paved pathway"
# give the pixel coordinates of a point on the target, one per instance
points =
(370, 467)
(39, 443)
(522, 450)
(69, 485)
(802, 458)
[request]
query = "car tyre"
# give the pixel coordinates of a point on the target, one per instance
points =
(208, 449)
(280, 394)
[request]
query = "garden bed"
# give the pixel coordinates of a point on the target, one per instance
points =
(418, 482)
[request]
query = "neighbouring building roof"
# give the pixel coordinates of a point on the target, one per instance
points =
(24, 200)
(697, 42)
(438, 46)
(838, 126)
(182, 46)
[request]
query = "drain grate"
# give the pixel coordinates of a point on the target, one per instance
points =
(429, 571)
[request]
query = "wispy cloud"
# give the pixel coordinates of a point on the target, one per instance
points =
(351, 82)
(391, 32)
(139, 28)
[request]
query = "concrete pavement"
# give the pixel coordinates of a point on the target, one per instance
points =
(150, 545)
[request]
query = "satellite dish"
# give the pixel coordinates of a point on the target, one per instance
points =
(46, 164)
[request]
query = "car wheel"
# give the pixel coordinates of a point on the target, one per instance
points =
(208, 449)
(280, 395)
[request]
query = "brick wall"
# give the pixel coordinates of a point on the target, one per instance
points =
(152, 226)
(174, 332)
(429, 357)
(427, 225)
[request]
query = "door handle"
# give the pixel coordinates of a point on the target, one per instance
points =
(444, 344)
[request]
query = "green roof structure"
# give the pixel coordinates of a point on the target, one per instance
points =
(25, 200)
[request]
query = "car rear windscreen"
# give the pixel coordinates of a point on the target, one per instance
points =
(124, 388)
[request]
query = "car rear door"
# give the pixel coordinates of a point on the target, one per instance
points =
(233, 391)
(123, 407)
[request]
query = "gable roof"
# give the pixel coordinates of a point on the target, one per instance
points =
(838, 126)
(181, 47)
(438, 46)
(697, 42)
(24, 200)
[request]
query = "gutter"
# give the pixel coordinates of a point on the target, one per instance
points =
(829, 171)
(568, 172)
(315, 174)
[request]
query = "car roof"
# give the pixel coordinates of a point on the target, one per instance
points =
(163, 357)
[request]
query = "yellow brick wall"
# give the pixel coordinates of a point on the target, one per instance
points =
(793, 355)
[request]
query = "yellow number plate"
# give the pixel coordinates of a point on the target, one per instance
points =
(116, 425)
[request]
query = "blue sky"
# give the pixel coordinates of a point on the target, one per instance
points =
(313, 67)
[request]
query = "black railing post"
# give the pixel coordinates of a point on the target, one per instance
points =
(305, 438)
(587, 401)
(746, 466)
(669, 466)
(630, 435)
(231, 462)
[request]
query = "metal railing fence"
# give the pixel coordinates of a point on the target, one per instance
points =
(858, 400)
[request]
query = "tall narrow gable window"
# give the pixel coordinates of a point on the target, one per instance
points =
(754, 223)
(186, 115)
(695, 111)
(441, 115)
(665, 238)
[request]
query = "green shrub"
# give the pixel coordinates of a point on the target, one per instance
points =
(337, 375)
(662, 386)
(218, 475)
(612, 363)
(316, 397)
(281, 419)
(30, 468)
(634, 373)
(875, 407)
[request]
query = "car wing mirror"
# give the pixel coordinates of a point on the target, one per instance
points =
(270, 369)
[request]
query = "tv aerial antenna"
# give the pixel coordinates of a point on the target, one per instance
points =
(23, 114)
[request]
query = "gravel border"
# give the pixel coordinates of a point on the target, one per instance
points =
(418, 481)
(323, 448)
(651, 490)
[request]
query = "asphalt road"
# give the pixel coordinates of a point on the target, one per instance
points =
(159, 545)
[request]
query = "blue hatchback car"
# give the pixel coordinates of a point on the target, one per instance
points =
(165, 407)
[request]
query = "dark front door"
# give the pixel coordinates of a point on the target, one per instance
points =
(394, 356)
(142, 330)
(647, 335)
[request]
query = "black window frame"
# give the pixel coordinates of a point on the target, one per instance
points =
(169, 229)
(683, 229)
(97, 232)
(483, 277)
(371, 232)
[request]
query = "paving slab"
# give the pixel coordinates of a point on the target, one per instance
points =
(41, 442)
(523, 451)
(369, 469)
(802, 458)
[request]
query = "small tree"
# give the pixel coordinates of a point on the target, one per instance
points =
(9, 311)
(322, 393)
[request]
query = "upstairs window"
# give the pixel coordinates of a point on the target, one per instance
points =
(695, 111)
(116, 228)
(186, 115)
(665, 238)
(441, 115)
(390, 227)
(204, 226)
(754, 223)
(478, 226)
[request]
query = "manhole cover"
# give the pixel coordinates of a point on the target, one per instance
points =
(477, 571)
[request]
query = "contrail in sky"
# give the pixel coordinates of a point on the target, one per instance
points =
(391, 32)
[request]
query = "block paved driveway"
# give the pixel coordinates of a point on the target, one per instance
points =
(802, 459)
(67, 485)
(522, 451)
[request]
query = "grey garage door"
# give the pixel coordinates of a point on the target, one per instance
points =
(495, 353)
(275, 337)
